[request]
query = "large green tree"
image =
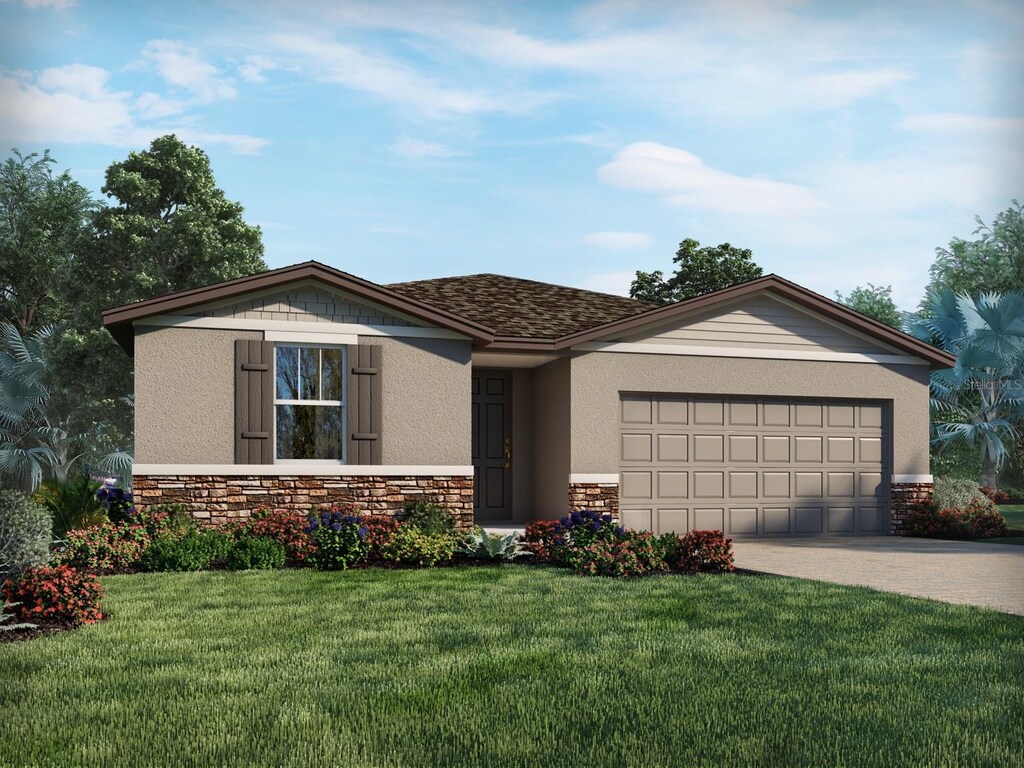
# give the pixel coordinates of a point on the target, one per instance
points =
(42, 221)
(170, 228)
(698, 270)
(875, 301)
(991, 263)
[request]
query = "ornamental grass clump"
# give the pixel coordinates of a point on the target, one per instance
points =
(339, 536)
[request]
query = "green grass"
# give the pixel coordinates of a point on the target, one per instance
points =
(1014, 514)
(513, 666)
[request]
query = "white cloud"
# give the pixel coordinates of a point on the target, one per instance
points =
(57, 5)
(74, 104)
(394, 81)
(252, 68)
(619, 241)
(685, 181)
(409, 147)
(609, 282)
(962, 123)
(184, 67)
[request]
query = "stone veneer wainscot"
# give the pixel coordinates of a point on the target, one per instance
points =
(599, 497)
(217, 499)
(904, 497)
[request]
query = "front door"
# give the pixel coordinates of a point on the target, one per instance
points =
(492, 444)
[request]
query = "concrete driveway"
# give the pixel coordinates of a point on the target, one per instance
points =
(989, 575)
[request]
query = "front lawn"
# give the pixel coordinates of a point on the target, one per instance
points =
(1014, 514)
(513, 666)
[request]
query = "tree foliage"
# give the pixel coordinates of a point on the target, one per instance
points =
(875, 301)
(171, 229)
(699, 270)
(42, 222)
(978, 401)
(993, 263)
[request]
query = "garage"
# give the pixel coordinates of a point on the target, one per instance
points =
(754, 466)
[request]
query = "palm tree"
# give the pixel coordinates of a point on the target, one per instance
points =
(26, 436)
(979, 401)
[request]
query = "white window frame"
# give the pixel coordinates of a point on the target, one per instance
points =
(342, 404)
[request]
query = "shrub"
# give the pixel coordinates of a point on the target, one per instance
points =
(481, 545)
(72, 503)
(256, 553)
(928, 520)
(171, 520)
(540, 539)
(705, 552)
(413, 546)
(987, 525)
(580, 529)
(954, 492)
(380, 530)
(283, 526)
(997, 496)
(57, 596)
(627, 554)
(339, 538)
(25, 533)
(195, 551)
(116, 502)
(429, 518)
(105, 548)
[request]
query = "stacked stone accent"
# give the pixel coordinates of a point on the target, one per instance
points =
(600, 497)
(219, 499)
(904, 497)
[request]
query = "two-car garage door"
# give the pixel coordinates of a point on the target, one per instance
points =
(753, 466)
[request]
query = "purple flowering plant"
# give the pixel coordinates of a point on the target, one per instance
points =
(581, 528)
(340, 536)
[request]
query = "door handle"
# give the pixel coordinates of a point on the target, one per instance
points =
(508, 453)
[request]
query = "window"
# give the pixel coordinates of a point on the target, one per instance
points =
(309, 403)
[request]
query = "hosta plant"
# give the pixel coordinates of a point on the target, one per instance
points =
(482, 545)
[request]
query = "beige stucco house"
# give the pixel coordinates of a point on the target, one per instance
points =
(762, 409)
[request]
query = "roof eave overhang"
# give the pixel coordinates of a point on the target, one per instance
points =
(118, 320)
(938, 358)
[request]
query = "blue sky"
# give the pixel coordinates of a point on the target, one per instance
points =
(569, 142)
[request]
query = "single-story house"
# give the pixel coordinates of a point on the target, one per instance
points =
(761, 409)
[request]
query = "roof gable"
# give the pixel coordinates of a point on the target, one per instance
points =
(776, 288)
(305, 302)
(119, 320)
(763, 321)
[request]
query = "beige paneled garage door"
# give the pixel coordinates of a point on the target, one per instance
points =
(753, 467)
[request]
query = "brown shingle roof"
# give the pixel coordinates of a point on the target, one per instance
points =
(512, 306)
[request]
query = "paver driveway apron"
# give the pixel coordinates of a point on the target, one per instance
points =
(974, 573)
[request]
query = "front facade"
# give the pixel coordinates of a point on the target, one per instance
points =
(763, 409)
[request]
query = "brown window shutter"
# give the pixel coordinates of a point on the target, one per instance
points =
(254, 402)
(363, 402)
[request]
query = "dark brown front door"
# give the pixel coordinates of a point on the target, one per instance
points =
(492, 444)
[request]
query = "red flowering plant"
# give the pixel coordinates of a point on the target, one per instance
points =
(540, 538)
(284, 526)
(380, 531)
(627, 553)
(105, 548)
(58, 596)
(705, 552)
(997, 496)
